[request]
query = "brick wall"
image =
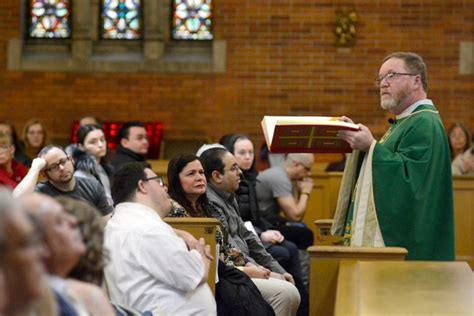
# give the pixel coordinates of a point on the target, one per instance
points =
(281, 60)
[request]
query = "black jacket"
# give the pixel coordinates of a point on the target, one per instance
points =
(124, 155)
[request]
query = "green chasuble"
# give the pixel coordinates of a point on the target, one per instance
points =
(406, 195)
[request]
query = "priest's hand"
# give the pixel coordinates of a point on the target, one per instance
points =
(345, 119)
(361, 139)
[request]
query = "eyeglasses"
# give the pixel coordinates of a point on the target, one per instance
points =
(391, 76)
(157, 178)
(55, 167)
(235, 168)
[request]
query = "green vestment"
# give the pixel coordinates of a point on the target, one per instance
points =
(410, 194)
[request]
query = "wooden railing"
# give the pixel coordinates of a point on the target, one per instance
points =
(324, 268)
(404, 288)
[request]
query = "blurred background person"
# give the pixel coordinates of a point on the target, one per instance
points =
(20, 156)
(63, 241)
(89, 120)
(34, 138)
(90, 267)
(20, 259)
(11, 171)
(462, 152)
(459, 139)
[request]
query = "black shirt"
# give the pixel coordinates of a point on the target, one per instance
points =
(86, 189)
(124, 155)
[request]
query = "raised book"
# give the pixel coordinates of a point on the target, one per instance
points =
(305, 134)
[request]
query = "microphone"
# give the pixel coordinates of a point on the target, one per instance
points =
(392, 121)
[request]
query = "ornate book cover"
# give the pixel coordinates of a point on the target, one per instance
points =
(305, 134)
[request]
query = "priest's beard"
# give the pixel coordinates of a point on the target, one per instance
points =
(394, 100)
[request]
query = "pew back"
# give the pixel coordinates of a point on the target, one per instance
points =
(404, 288)
(200, 227)
(324, 267)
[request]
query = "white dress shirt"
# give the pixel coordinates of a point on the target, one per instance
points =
(150, 267)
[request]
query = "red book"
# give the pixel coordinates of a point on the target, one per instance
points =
(305, 134)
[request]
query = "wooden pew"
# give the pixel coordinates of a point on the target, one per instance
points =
(324, 266)
(404, 288)
(323, 233)
(463, 188)
(200, 227)
(323, 200)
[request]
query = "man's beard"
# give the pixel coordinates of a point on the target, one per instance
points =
(388, 104)
(393, 101)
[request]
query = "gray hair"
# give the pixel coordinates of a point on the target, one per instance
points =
(414, 64)
(301, 158)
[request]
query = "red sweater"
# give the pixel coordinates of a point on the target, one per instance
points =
(12, 179)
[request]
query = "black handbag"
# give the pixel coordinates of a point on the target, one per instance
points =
(237, 295)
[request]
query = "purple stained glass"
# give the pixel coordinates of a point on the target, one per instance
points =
(192, 20)
(121, 19)
(49, 19)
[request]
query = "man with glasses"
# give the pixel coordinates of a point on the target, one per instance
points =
(398, 191)
(275, 284)
(150, 266)
(58, 169)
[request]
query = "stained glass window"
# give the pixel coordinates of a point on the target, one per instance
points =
(192, 20)
(121, 19)
(49, 19)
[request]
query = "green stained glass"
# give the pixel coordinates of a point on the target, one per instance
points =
(49, 19)
(121, 19)
(192, 20)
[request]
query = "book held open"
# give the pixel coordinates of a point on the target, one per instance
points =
(305, 134)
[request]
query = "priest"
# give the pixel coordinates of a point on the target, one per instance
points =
(398, 191)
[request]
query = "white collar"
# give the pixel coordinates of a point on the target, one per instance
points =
(412, 107)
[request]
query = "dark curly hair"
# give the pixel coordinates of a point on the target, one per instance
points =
(175, 189)
(91, 265)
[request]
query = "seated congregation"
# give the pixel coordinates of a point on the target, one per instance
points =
(85, 235)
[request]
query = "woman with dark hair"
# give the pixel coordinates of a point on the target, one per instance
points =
(89, 156)
(459, 139)
(462, 154)
(284, 251)
(236, 294)
(20, 156)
